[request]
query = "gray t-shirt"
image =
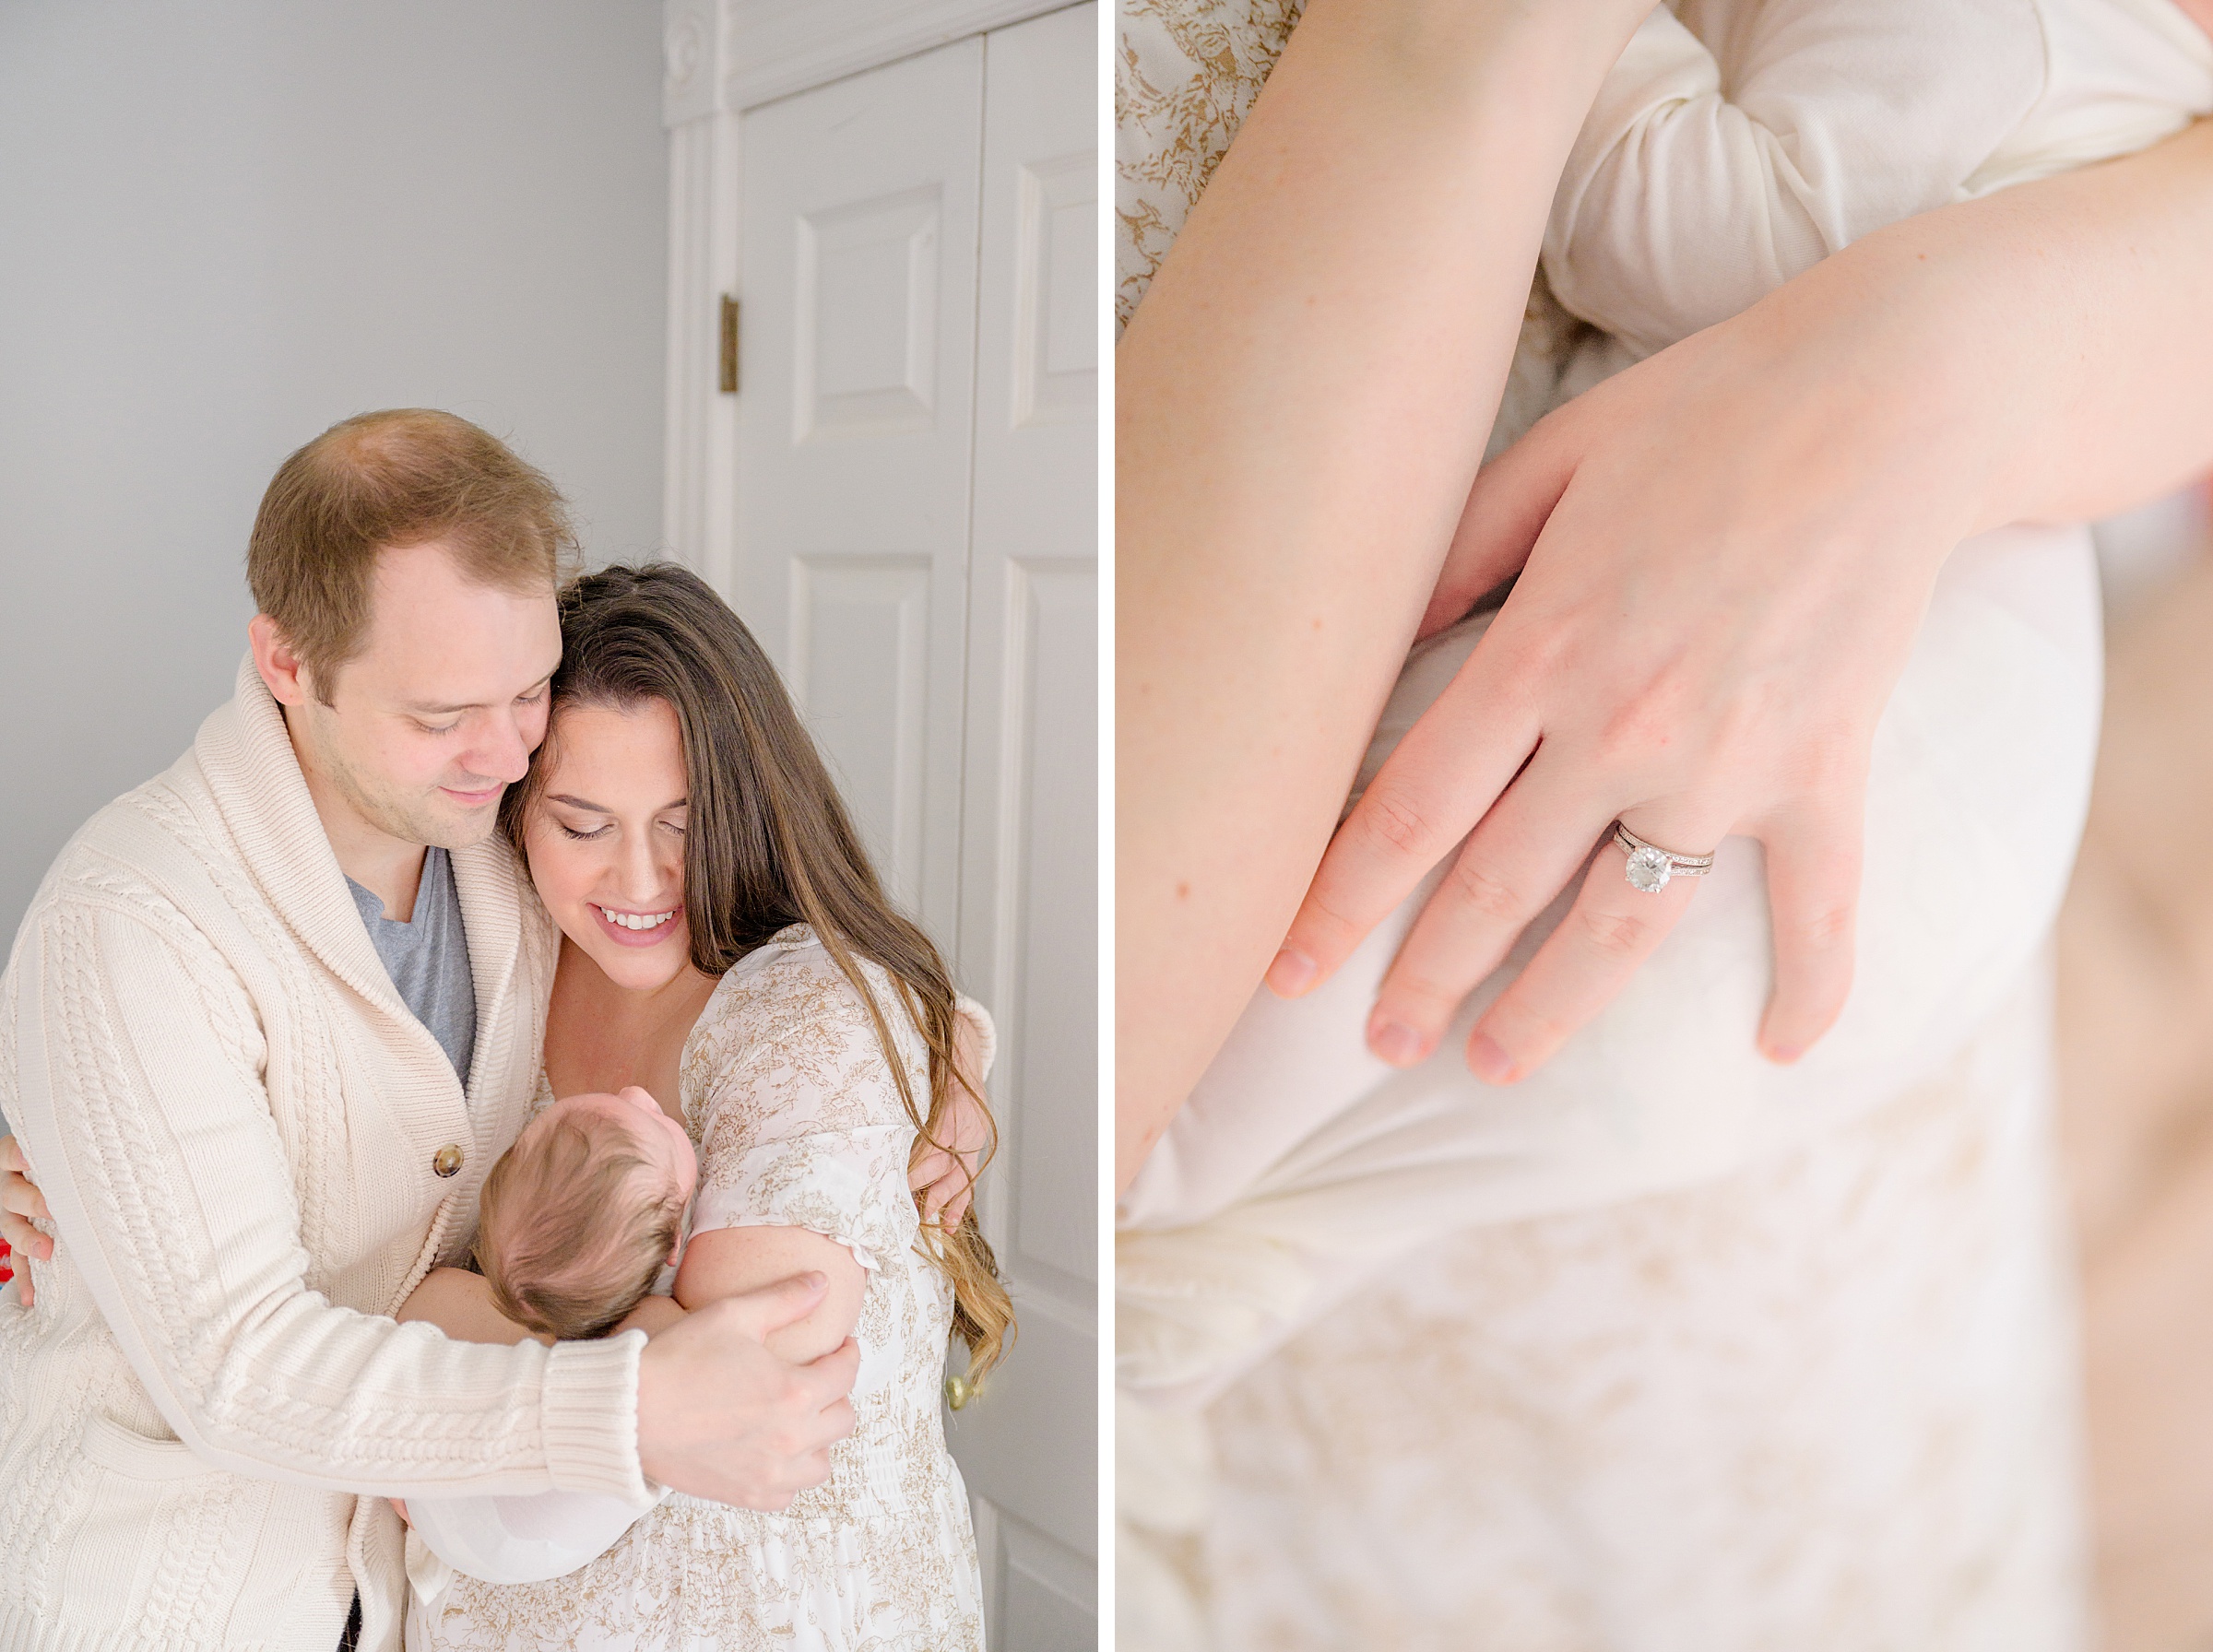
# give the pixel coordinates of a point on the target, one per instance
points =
(427, 959)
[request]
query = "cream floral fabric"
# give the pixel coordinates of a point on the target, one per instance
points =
(1186, 73)
(1825, 1404)
(798, 1122)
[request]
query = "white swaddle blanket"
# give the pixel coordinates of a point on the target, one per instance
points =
(1735, 145)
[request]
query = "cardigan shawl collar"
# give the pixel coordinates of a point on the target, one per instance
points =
(245, 753)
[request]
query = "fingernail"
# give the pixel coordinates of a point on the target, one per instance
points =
(1488, 1062)
(1783, 1055)
(1402, 1046)
(1291, 973)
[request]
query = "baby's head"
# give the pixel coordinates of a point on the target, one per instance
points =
(578, 1216)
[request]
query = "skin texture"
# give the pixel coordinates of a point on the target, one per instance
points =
(943, 1178)
(429, 723)
(1282, 498)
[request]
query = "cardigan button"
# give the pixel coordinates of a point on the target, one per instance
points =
(448, 1161)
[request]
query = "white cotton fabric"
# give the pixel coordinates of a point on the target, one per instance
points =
(799, 1122)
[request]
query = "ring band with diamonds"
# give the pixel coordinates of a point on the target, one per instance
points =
(1651, 866)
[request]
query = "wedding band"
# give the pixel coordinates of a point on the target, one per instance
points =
(1651, 866)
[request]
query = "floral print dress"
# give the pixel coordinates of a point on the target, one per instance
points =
(799, 1122)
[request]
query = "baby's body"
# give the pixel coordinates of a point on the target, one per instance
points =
(579, 1230)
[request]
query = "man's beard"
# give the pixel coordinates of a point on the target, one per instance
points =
(411, 820)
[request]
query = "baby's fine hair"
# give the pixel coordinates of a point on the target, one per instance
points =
(571, 1231)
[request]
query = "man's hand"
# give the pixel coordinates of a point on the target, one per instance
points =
(19, 1201)
(943, 1177)
(721, 1416)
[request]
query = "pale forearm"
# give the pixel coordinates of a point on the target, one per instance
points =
(727, 1262)
(2055, 338)
(2110, 323)
(1302, 398)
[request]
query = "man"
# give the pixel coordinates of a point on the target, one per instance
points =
(270, 1019)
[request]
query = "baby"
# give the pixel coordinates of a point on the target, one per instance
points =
(578, 1224)
(580, 1218)
(579, 1227)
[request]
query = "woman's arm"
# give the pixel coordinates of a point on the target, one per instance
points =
(731, 1261)
(1795, 478)
(1301, 400)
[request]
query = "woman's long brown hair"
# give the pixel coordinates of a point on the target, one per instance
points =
(768, 843)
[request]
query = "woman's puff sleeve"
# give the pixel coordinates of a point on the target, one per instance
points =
(804, 1125)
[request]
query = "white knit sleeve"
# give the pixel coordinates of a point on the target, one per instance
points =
(143, 1115)
(1691, 193)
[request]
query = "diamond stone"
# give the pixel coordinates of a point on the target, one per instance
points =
(1649, 870)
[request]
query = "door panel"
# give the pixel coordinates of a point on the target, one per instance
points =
(858, 271)
(1028, 1447)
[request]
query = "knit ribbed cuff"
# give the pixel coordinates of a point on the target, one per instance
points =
(590, 1408)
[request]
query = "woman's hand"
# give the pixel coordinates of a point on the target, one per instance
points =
(1722, 590)
(943, 1178)
(20, 1201)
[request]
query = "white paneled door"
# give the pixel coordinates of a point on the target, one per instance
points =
(914, 543)
(855, 419)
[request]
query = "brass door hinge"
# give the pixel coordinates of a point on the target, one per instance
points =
(730, 344)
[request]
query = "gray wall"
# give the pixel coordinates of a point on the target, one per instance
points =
(224, 225)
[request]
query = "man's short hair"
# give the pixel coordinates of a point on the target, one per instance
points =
(387, 480)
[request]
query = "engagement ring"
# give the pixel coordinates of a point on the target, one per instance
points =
(1651, 866)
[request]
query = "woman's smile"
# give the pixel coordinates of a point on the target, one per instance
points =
(629, 929)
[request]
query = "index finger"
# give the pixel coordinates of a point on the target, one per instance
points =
(1447, 771)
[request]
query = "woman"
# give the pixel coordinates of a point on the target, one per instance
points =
(1816, 1363)
(726, 947)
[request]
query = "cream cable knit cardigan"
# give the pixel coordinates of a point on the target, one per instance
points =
(234, 1119)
